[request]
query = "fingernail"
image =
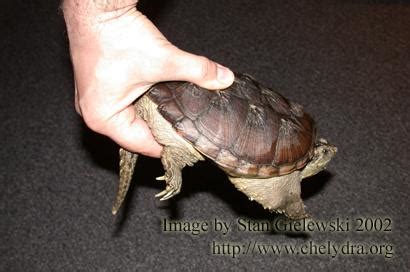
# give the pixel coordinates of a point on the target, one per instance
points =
(224, 75)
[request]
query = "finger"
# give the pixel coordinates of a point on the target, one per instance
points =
(132, 133)
(76, 99)
(201, 71)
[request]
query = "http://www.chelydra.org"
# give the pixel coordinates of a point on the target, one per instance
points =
(265, 143)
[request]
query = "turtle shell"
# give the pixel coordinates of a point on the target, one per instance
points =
(248, 130)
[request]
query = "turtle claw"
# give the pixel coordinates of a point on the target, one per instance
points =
(161, 193)
(167, 193)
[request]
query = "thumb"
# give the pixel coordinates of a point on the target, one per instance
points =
(201, 71)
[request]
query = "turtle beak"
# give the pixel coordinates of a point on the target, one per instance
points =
(331, 150)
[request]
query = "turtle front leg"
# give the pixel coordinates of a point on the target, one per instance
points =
(174, 159)
(278, 194)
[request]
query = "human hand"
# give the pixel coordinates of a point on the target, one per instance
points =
(117, 54)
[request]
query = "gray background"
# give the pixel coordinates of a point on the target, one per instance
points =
(347, 62)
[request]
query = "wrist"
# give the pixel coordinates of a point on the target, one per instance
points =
(86, 18)
(87, 15)
(94, 7)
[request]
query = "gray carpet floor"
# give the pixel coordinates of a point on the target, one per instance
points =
(346, 62)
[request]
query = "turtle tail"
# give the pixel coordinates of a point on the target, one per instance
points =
(127, 165)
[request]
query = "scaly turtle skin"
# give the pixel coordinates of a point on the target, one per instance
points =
(265, 143)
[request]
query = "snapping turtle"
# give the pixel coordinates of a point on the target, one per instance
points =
(265, 143)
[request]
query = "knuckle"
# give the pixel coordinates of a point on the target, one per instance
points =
(94, 119)
(203, 68)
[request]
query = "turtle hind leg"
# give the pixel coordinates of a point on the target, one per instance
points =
(127, 165)
(174, 159)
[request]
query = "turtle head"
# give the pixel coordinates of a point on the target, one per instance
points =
(323, 153)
